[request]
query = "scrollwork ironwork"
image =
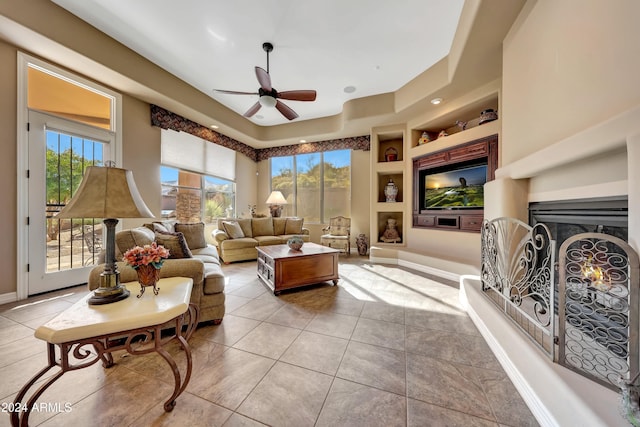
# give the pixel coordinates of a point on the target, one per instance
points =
(517, 274)
(598, 316)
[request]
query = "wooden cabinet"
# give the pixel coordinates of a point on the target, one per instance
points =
(468, 221)
(281, 268)
(464, 210)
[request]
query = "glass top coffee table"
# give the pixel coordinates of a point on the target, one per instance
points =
(282, 268)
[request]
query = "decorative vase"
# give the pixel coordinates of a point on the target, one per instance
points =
(295, 243)
(390, 154)
(148, 275)
(488, 115)
(391, 191)
(362, 244)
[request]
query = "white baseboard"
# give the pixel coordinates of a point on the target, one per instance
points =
(430, 270)
(380, 260)
(7, 298)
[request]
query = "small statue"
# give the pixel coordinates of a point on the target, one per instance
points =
(442, 134)
(424, 138)
(362, 243)
(462, 125)
(252, 210)
(391, 234)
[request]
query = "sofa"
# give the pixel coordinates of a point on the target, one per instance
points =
(190, 256)
(237, 238)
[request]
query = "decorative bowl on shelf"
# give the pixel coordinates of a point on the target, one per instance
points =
(295, 243)
(488, 115)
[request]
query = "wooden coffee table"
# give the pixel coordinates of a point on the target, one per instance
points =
(282, 268)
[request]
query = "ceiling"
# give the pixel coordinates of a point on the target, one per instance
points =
(397, 55)
(325, 45)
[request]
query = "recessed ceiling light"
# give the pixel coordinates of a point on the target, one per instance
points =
(349, 89)
(303, 140)
(436, 101)
(213, 127)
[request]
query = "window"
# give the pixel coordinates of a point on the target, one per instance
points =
(317, 186)
(193, 197)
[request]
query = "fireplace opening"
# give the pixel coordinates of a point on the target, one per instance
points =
(566, 218)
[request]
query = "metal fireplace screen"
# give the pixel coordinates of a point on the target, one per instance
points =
(599, 293)
(517, 275)
(590, 325)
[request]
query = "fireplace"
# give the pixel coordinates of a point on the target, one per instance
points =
(581, 311)
(608, 215)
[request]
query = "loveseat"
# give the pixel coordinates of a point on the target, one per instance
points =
(238, 238)
(190, 256)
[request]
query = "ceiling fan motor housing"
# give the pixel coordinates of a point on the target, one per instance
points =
(269, 96)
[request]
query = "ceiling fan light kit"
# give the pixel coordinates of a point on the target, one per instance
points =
(269, 97)
(267, 101)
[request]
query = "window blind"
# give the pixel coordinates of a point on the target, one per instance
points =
(185, 151)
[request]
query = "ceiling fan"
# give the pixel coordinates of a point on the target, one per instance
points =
(269, 97)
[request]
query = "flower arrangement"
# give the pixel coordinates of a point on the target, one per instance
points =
(152, 254)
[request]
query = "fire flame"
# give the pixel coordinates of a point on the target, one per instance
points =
(598, 277)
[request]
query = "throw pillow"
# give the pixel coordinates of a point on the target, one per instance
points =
(233, 229)
(176, 244)
(245, 224)
(167, 226)
(262, 226)
(293, 226)
(127, 239)
(193, 233)
(278, 226)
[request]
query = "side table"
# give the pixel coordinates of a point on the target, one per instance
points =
(86, 333)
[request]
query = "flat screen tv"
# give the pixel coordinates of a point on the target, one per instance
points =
(457, 188)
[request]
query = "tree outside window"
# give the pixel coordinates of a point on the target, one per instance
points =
(317, 186)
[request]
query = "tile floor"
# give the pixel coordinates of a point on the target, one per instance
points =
(386, 347)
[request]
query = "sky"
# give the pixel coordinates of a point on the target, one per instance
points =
(58, 141)
(475, 175)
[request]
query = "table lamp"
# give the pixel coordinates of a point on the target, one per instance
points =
(108, 193)
(275, 202)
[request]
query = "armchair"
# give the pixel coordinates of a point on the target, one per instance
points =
(338, 234)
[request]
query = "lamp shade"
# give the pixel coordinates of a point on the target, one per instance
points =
(106, 192)
(276, 198)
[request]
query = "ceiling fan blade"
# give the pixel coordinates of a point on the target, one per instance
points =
(298, 95)
(264, 79)
(286, 111)
(254, 109)
(235, 92)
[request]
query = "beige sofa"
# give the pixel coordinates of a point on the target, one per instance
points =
(203, 267)
(237, 239)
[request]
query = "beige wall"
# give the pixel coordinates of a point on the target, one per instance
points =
(246, 189)
(141, 154)
(8, 118)
(566, 66)
(360, 195)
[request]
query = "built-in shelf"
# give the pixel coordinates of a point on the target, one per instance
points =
(469, 114)
(385, 236)
(388, 153)
(383, 180)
